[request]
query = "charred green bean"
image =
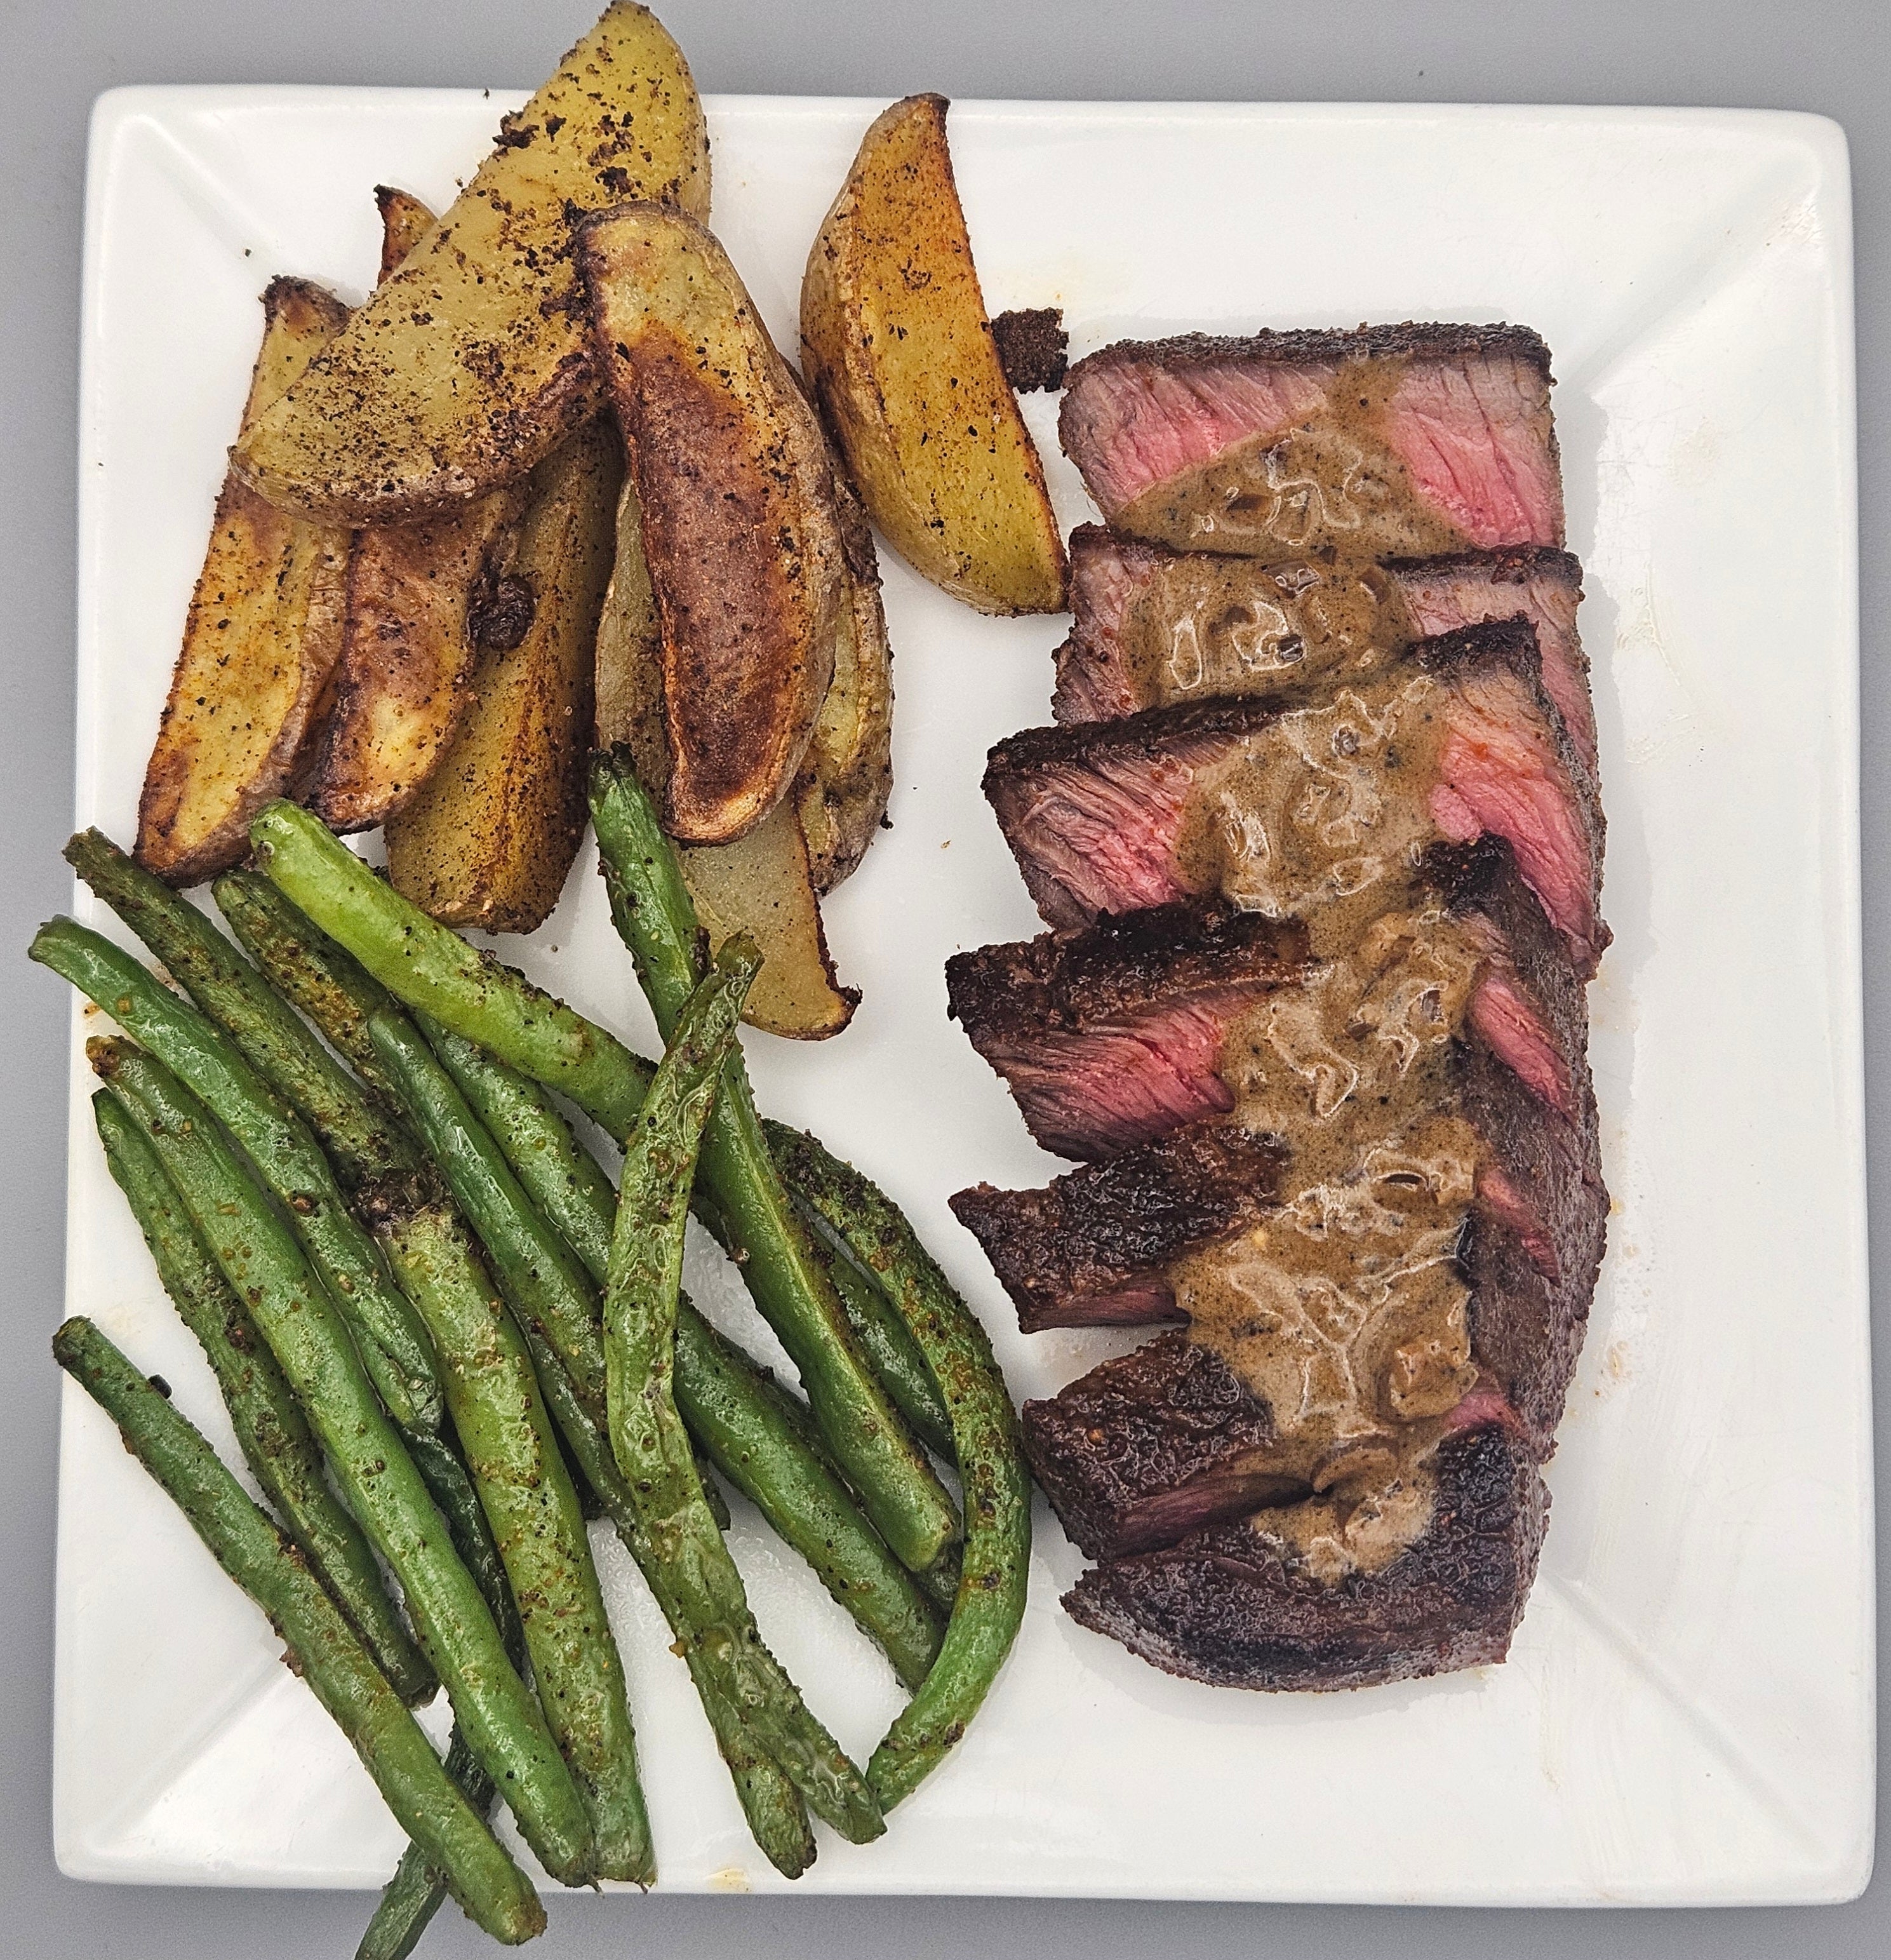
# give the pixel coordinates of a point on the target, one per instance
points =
(322, 1648)
(271, 1429)
(897, 1483)
(512, 1454)
(265, 1266)
(647, 1436)
(992, 1584)
(364, 1138)
(278, 1144)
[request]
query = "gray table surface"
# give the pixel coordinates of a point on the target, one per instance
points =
(1830, 56)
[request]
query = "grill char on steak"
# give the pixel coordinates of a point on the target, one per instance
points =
(1390, 440)
(1150, 1447)
(1091, 1249)
(1112, 1036)
(1455, 740)
(1225, 1606)
(1152, 626)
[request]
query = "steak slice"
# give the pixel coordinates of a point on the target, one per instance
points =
(1150, 1447)
(1091, 1249)
(1543, 586)
(1393, 439)
(1230, 1607)
(1289, 808)
(1152, 626)
(1112, 1037)
(1113, 1034)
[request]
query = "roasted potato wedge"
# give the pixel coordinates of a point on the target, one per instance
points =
(415, 625)
(732, 477)
(404, 222)
(491, 835)
(472, 363)
(261, 640)
(896, 346)
(847, 775)
(763, 884)
(423, 599)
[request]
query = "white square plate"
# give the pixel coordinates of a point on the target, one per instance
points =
(1687, 1713)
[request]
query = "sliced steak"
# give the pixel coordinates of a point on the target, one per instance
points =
(1092, 1248)
(1436, 1079)
(1289, 807)
(1112, 1034)
(1151, 1446)
(1233, 1607)
(1152, 626)
(1392, 439)
(1112, 1037)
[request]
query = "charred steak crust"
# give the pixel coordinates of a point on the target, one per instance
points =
(1091, 1247)
(1309, 346)
(1033, 348)
(1224, 1607)
(1147, 1448)
(1480, 878)
(1124, 962)
(1507, 565)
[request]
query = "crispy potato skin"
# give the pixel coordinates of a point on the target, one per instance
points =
(847, 776)
(405, 682)
(490, 837)
(739, 533)
(763, 884)
(472, 363)
(896, 344)
(260, 644)
(404, 222)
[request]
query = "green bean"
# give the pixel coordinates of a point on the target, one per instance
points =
(997, 1557)
(894, 1354)
(278, 1144)
(306, 966)
(765, 1443)
(561, 1318)
(757, 1434)
(271, 1430)
(777, 1816)
(429, 966)
(411, 1898)
(450, 1484)
(363, 1140)
(565, 1182)
(267, 1269)
(647, 1436)
(323, 1649)
(512, 1452)
(546, 1284)
(897, 1483)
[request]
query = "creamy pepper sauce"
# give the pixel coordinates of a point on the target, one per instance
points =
(1332, 483)
(1322, 813)
(1345, 1312)
(1199, 625)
